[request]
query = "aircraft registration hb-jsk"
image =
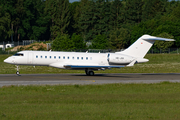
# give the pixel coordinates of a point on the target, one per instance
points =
(87, 61)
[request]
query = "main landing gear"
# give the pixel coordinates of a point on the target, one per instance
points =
(17, 73)
(89, 72)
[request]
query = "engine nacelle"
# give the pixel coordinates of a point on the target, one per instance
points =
(119, 59)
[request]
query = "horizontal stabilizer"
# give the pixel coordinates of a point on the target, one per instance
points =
(158, 38)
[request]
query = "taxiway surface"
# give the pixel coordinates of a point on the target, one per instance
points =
(55, 79)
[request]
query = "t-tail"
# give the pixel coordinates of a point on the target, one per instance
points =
(140, 48)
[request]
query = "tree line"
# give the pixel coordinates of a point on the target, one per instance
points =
(106, 24)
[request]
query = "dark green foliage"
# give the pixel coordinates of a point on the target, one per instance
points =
(75, 11)
(27, 19)
(101, 17)
(119, 39)
(86, 20)
(95, 19)
(143, 28)
(116, 16)
(133, 11)
(62, 42)
(164, 44)
(118, 20)
(60, 16)
(78, 42)
(154, 8)
(5, 20)
(100, 42)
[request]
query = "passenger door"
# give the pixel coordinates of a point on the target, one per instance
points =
(30, 58)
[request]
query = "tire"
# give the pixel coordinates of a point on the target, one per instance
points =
(17, 72)
(91, 73)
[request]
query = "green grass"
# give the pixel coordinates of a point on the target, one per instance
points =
(158, 63)
(91, 102)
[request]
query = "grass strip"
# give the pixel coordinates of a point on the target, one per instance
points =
(103, 102)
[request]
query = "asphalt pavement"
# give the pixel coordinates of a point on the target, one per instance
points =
(63, 79)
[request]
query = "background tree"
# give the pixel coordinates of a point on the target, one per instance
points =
(100, 42)
(63, 42)
(75, 11)
(87, 20)
(17, 17)
(5, 20)
(78, 42)
(46, 19)
(42, 22)
(154, 8)
(116, 14)
(133, 11)
(60, 16)
(101, 17)
(164, 44)
(119, 39)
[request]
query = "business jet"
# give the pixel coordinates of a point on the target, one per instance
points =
(87, 61)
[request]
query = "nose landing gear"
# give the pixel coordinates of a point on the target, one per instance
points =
(17, 73)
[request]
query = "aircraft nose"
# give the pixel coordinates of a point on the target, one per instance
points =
(7, 60)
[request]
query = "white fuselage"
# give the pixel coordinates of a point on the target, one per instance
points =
(59, 59)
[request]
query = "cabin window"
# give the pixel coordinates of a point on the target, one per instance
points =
(67, 57)
(72, 57)
(41, 56)
(78, 58)
(18, 54)
(90, 58)
(59, 57)
(50, 57)
(36, 56)
(86, 58)
(117, 57)
(64, 57)
(45, 56)
(81, 58)
(54, 57)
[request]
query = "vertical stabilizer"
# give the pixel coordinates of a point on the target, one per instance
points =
(140, 47)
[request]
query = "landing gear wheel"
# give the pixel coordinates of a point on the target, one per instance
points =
(17, 73)
(91, 73)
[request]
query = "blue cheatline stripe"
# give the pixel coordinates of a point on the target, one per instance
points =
(72, 66)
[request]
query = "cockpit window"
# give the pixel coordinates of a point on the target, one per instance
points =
(18, 54)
